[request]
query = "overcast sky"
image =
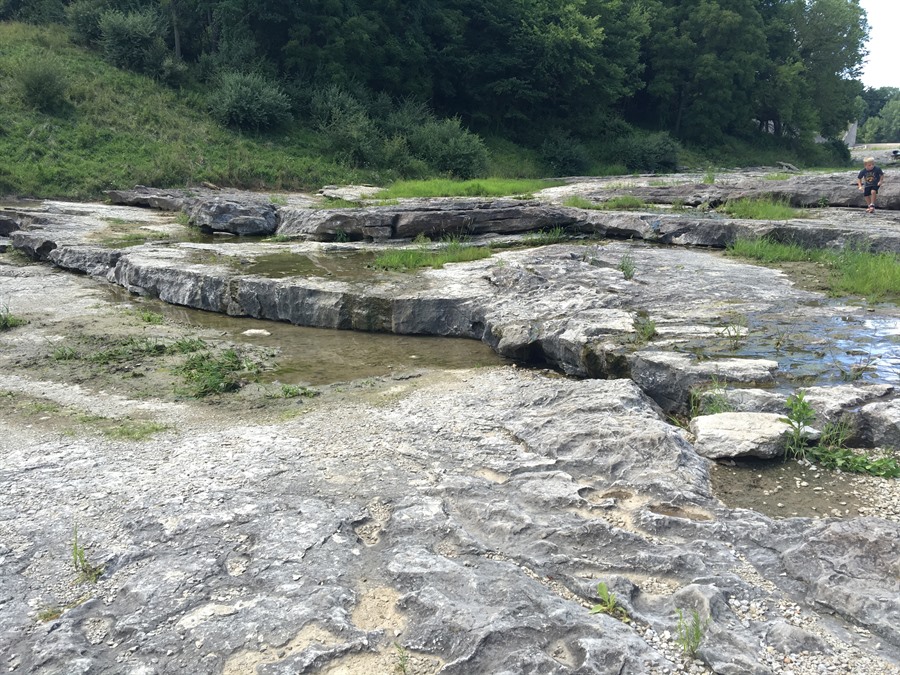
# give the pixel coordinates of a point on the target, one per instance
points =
(882, 68)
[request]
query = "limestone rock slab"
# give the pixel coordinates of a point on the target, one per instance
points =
(735, 434)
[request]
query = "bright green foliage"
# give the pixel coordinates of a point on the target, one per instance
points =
(454, 250)
(86, 571)
(770, 251)
(128, 40)
(485, 187)
(248, 101)
(875, 276)
(761, 209)
(800, 416)
(8, 320)
(689, 633)
(206, 373)
(627, 266)
(831, 452)
(134, 430)
(608, 604)
(885, 127)
(43, 82)
(546, 237)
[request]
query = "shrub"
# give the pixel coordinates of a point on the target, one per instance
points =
(130, 40)
(84, 21)
(248, 101)
(345, 125)
(564, 155)
(650, 152)
(449, 148)
(43, 83)
(33, 11)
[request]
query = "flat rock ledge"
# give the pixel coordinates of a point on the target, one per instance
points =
(302, 218)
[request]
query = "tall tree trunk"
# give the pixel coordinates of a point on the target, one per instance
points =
(176, 34)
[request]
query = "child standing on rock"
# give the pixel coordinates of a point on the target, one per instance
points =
(869, 181)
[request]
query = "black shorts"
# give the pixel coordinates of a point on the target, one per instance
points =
(869, 189)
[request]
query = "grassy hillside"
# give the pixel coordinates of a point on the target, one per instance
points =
(115, 129)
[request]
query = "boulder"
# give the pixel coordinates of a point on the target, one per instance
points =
(879, 424)
(737, 434)
(219, 214)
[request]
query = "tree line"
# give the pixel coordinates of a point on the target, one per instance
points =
(698, 71)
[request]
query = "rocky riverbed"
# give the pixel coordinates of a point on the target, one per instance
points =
(433, 519)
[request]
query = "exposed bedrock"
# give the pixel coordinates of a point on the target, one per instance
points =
(483, 513)
(302, 218)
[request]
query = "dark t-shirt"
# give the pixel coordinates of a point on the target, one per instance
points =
(871, 178)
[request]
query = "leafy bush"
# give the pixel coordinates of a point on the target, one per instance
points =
(84, 21)
(43, 83)
(449, 148)
(131, 40)
(346, 126)
(564, 155)
(248, 101)
(650, 152)
(33, 11)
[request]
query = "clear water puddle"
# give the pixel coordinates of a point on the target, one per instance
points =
(318, 356)
(350, 265)
(826, 349)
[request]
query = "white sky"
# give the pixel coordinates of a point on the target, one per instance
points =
(882, 68)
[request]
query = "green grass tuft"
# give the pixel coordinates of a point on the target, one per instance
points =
(8, 321)
(875, 276)
(622, 203)
(485, 187)
(761, 209)
(206, 373)
(453, 251)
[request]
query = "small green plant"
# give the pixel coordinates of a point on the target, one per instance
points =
(800, 416)
(627, 266)
(64, 353)
(8, 321)
(823, 202)
(134, 431)
(735, 331)
(709, 399)
(206, 373)
(294, 391)
(689, 633)
(278, 200)
(341, 236)
(779, 175)
(187, 345)
(454, 250)
(338, 203)
(644, 328)
(709, 178)
(86, 571)
(49, 614)
(831, 452)
(402, 667)
(620, 203)
(608, 604)
(153, 318)
(546, 237)
(182, 218)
